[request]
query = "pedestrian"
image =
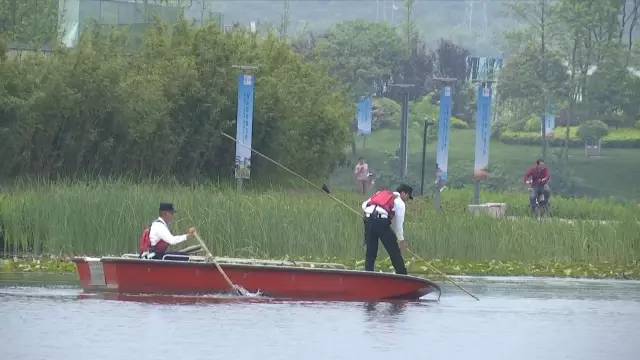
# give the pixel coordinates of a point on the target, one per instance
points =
(384, 220)
(361, 174)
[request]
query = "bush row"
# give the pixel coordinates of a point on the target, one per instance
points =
(620, 138)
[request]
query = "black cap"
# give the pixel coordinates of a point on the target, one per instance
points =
(405, 189)
(167, 207)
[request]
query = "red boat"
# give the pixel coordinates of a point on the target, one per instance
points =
(129, 275)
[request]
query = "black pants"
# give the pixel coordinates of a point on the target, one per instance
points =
(378, 228)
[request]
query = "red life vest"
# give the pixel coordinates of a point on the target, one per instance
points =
(384, 199)
(145, 243)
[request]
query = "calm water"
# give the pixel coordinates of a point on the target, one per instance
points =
(517, 318)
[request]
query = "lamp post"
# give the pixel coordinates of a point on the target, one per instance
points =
(404, 129)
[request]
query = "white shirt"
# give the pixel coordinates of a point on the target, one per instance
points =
(397, 223)
(160, 231)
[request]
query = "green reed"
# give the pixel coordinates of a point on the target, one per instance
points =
(107, 217)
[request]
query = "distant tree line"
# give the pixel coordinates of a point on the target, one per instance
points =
(577, 57)
(370, 57)
(102, 109)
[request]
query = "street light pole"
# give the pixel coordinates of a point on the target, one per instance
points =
(404, 129)
(424, 154)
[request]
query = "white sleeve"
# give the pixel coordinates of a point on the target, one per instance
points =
(163, 233)
(397, 223)
(365, 205)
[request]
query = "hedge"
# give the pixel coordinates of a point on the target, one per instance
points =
(619, 138)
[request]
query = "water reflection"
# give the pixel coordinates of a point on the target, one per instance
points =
(385, 311)
(175, 299)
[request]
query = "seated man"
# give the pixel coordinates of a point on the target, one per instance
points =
(538, 177)
(160, 236)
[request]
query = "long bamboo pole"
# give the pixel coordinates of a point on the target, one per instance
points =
(324, 189)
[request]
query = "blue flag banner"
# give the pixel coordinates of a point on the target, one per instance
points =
(444, 124)
(483, 132)
(244, 124)
(364, 116)
(549, 122)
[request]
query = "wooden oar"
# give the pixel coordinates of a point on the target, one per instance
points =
(325, 190)
(235, 288)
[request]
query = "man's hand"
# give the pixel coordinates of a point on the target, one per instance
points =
(403, 246)
(191, 232)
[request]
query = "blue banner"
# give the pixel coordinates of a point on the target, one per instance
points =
(244, 123)
(364, 116)
(483, 132)
(549, 122)
(549, 125)
(444, 124)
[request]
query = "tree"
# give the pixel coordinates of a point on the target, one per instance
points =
(613, 92)
(586, 33)
(451, 62)
(522, 86)
(359, 53)
(29, 22)
(102, 110)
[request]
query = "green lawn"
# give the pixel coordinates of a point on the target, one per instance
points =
(615, 174)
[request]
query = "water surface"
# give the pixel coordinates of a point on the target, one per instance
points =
(44, 317)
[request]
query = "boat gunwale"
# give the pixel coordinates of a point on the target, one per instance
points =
(113, 259)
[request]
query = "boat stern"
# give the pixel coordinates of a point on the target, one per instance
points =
(91, 273)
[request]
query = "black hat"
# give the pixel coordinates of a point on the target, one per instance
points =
(167, 207)
(406, 189)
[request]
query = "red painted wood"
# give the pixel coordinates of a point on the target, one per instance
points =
(175, 277)
(83, 273)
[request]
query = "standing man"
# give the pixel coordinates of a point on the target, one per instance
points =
(384, 220)
(361, 173)
(537, 177)
(160, 236)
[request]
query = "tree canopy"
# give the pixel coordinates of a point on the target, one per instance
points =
(101, 110)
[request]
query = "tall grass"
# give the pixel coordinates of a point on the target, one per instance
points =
(100, 218)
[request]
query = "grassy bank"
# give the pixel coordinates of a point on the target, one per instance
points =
(614, 175)
(107, 218)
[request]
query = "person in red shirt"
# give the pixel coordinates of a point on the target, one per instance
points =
(537, 177)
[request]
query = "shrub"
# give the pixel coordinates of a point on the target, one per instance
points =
(620, 138)
(387, 115)
(592, 131)
(458, 124)
(533, 124)
(637, 126)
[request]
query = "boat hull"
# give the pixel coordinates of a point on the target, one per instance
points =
(133, 276)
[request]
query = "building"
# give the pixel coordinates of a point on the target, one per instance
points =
(74, 16)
